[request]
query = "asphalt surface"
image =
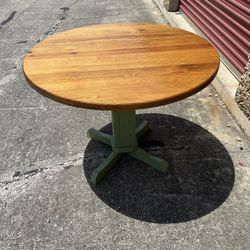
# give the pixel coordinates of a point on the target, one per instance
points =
(46, 200)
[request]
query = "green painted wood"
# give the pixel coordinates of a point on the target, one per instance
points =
(100, 172)
(142, 129)
(123, 141)
(99, 136)
(124, 131)
(151, 160)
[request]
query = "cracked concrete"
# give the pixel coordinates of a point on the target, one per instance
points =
(46, 200)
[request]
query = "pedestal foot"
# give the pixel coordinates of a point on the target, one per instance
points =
(99, 136)
(103, 169)
(124, 141)
(151, 160)
(142, 129)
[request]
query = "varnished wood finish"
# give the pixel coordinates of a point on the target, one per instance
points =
(121, 66)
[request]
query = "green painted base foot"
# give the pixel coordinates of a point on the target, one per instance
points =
(99, 136)
(142, 129)
(124, 141)
(103, 169)
(151, 160)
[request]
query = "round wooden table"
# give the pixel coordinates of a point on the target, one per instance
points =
(121, 67)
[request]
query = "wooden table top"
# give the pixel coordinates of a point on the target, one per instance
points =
(121, 66)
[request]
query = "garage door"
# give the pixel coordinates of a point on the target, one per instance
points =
(226, 23)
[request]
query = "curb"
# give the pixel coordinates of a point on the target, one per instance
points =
(225, 83)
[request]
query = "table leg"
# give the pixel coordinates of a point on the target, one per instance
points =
(142, 129)
(103, 169)
(124, 140)
(99, 136)
(151, 160)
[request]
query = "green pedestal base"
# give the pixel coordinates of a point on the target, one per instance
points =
(124, 141)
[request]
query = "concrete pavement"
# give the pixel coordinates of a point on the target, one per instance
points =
(46, 201)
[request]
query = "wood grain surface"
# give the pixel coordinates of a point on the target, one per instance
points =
(121, 66)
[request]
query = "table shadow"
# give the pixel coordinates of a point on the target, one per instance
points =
(201, 176)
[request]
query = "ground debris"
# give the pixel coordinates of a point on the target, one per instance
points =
(242, 164)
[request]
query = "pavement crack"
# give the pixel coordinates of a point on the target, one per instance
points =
(17, 175)
(9, 18)
(20, 42)
(31, 108)
(62, 16)
(44, 168)
(28, 173)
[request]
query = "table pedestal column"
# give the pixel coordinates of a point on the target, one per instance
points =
(124, 141)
